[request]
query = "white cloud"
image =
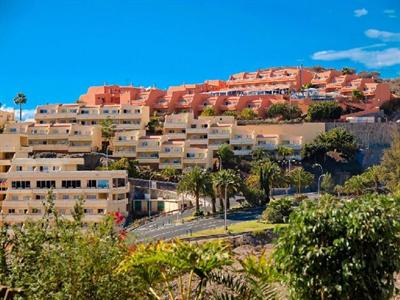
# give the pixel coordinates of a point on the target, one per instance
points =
(385, 36)
(391, 13)
(370, 58)
(27, 114)
(360, 12)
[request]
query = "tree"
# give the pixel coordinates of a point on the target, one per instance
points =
(107, 129)
(324, 111)
(357, 95)
(369, 181)
(230, 113)
(285, 151)
(335, 141)
(130, 165)
(170, 174)
(339, 249)
(278, 211)
(20, 99)
(155, 125)
(63, 260)
(268, 175)
(208, 111)
(348, 71)
(373, 74)
(327, 183)
(226, 182)
(300, 178)
(194, 183)
(225, 156)
(259, 154)
(390, 164)
(285, 111)
(247, 114)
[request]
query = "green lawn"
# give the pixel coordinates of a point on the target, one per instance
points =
(246, 226)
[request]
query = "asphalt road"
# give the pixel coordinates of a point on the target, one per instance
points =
(170, 227)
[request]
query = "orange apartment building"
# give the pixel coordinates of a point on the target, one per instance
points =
(256, 90)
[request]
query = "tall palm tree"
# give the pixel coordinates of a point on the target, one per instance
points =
(226, 182)
(225, 156)
(301, 178)
(195, 182)
(259, 154)
(269, 174)
(20, 99)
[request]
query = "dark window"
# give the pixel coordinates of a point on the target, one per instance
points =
(21, 184)
(92, 184)
(71, 184)
(45, 184)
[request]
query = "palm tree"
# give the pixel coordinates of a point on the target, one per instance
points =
(195, 183)
(226, 182)
(301, 178)
(269, 174)
(284, 152)
(259, 154)
(225, 156)
(20, 99)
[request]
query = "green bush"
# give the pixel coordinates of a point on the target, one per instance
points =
(324, 111)
(338, 249)
(278, 211)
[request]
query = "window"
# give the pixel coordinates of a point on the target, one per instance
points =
(18, 168)
(11, 211)
(100, 211)
(118, 182)
(43, 168)
(35, 211)
(88, 211)
(71, 184)
(65, 197)
(91, 197)
(102, 184)
(45, 184)
(21, 184)
(92, 184)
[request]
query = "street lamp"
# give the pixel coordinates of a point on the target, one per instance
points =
(319, 166)
(225, 202)
(149, 200)
(319, 183)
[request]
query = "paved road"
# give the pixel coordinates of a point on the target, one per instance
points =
(166, 228)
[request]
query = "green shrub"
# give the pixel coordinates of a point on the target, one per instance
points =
(278, 211)
(338, 249)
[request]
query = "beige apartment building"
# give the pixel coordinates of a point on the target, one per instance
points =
(6, 117)
(124, 116)
(188, 142)
(66, 138)
(25, 182)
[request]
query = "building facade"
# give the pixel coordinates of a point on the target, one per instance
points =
(188, 142)
(25, 182)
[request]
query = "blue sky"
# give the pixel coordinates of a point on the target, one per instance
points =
(53, 50)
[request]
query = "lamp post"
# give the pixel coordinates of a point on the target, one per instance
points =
(225, 202)
(320, 176)
(319, 183)
(149, 200)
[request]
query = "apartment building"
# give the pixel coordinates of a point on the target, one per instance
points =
(188, 142)
(25, 182)
(6, 117)
(124, 116)
(64, 137)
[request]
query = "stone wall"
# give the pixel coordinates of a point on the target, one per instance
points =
(372, 138)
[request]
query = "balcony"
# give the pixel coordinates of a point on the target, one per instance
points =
(175, 124)
(81, 148)
(200, 130)
(50, 147)
(242, 141)
(148, 160)
(176, 136)
(148, 148)
(294, 146)
(128, 126)
(219, 135)
(128, 154)
(268, 146)
(178, 152)
(242, 152)
(81, 137)
(195, 160)
(170, 165)
(194, 141)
